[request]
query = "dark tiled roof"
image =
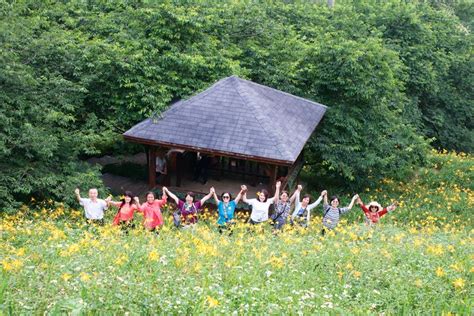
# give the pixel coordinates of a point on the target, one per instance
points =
(239, 117)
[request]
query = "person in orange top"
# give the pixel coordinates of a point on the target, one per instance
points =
(152, 210)
(126, 209)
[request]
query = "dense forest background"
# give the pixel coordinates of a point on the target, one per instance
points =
(74, 75)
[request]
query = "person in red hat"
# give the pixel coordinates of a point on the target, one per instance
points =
(374, 211)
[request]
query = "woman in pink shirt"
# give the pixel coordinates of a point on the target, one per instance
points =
(152, 211)
(126, 209)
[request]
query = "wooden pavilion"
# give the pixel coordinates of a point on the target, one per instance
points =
(247, 132)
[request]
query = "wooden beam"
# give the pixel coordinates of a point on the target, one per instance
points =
(209, 151)
(151, 167)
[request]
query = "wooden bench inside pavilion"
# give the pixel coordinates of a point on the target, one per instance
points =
(235, 132)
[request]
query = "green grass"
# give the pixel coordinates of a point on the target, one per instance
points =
(419, 260)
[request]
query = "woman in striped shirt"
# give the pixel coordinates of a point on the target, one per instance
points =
(332, 211)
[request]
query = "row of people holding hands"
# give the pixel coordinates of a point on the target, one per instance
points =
(187, 211)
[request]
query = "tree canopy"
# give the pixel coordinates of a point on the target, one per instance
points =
(396, 75)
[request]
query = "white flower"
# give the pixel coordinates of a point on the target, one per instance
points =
(327, 305)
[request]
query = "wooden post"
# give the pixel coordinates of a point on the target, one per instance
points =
(273, 177)
(179, 169)
(151, 167)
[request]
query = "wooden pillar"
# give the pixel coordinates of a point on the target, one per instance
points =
(151, 167)
(273, 176)
(179, 169)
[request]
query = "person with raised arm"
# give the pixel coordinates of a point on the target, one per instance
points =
(226, 208)
(126, 207)
(93, 207)
(151, 209)
(282, 206)
(302, 212)
(374, 211)
(332, 212)
(261, 205)
(187, 213)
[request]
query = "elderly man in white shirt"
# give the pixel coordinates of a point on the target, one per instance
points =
(94, 208)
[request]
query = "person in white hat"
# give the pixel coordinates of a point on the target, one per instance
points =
(374, 211)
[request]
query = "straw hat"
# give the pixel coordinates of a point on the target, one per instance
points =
(373, 203)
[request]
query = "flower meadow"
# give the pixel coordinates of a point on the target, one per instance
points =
(419, 259)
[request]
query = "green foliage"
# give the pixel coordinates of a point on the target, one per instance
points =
(76, 74)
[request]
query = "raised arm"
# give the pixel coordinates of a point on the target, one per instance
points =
(113, 203)
(316, 203)
(171, 195)
(296, 194)
(207, 196)
(77, 192)
(362, 205)
(354, 198)
(215, 195)
(243, 188)
(389, 208)
(238, 197)
(325, 198)
(276, 197)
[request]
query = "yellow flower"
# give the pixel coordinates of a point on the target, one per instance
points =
(153, 256)
(440, 272)
(459, 283)
(456, 267)
(66, 276)
(276, 262)
(84, 277)
(418, 283)
(20, 252)
(212, 302)
(356, 274)
(121, 260)
(355, 251)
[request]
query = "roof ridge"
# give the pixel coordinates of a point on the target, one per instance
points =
(279, 91)
(270, 131)
(173, 106)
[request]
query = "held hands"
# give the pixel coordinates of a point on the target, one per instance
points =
(278, 185)
(359, 201)
(324, 193)
(392, 207)
(243, 188)
(299, 187)
(355, 197)
(212, 190)
(77, 191)
(136, 199)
